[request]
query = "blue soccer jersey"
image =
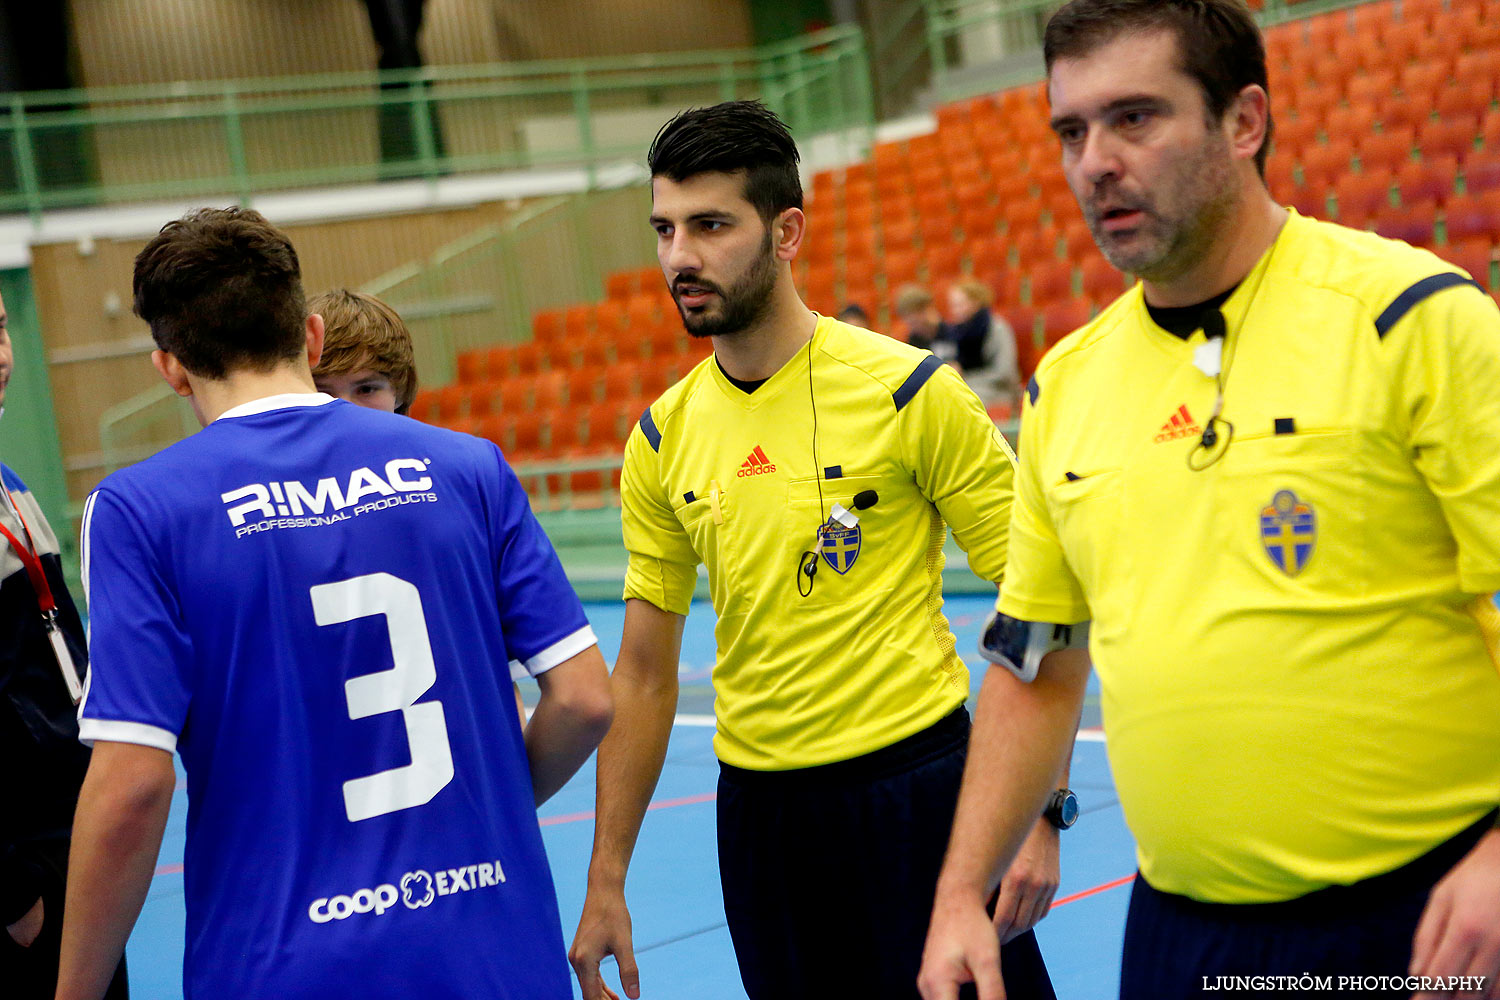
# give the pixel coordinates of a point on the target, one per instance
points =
(320, 607)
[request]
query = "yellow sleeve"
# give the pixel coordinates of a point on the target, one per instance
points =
(1448, 379)
(1039, 585)
(662, 566)
(962, 464)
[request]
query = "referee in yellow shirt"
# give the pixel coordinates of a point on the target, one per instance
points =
(814, 468)
(1269, 477)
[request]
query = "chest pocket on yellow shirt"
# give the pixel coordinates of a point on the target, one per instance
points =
(853, 555)
(1087, 517)
(1302, 506)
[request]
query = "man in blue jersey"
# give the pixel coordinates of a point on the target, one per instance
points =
(315, 605)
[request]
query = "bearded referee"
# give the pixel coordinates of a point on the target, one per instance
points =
(814, 468)
(1268, 475)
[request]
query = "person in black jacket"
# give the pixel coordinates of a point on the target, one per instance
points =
(41, 761)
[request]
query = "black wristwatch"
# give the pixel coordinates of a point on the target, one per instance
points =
(1062, 809)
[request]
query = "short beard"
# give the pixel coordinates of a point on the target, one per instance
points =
(743, 305)
(1186, 240)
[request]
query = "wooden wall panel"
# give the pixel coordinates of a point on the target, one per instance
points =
(156, 41)
(84, 304)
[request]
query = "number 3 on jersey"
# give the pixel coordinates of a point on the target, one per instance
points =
(393, 690)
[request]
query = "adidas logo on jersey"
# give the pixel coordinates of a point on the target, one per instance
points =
(756, 465)
(418, 889)
(326, 499)
(1180, 425)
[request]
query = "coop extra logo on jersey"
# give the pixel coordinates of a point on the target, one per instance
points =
(293, 504)
(413, 890)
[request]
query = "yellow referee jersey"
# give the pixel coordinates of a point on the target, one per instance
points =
(740, 482)
(1297, 686)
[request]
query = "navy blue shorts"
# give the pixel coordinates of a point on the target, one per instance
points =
(829, 872)
(1177, 947)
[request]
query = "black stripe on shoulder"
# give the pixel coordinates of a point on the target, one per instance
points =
(1408, 299)
(648, 428)
(1033, 390)
(916, 380)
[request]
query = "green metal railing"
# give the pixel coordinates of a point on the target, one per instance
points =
(976, 46)
(240, 138)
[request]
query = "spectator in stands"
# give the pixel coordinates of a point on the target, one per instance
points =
(918, 312)
(367, 353)
(854, 314)
(984, 344)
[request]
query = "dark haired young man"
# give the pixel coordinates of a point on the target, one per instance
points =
(319, 607)
(813, 468)
(1268, 476)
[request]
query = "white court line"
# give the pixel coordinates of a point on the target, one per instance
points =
(707, 721)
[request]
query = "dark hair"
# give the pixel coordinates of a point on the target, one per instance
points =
(727, 138)
(222, 290)
(1217, 40)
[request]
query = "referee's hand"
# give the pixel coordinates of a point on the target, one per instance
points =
(1459, 934)
(961, 948)
(604, 929)
(1029, 885)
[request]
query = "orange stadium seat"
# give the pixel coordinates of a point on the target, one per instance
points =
(1101, 282)
(1473, 215)
(1463, 99)
(655, 379)
(1413, 223)
(1455, 135)
(663, 341)
(1423, 77)
(549, 390)
(1365, 90)
(1428, 180)
(1474, 254)
(1294, 133)
(484, 399)
(1327, 162)
(1051, 281)
(471, 365)
(595, 351)
(859, 245)
(897, 235)
(901, 267)
(859, 216)
(1062, 318)
(938, 230)
(547, 324)
(1311, 198)
(1390, 148)
(1280, 176)
(945, 261)
(425, 406)
(988, 253)
(1400, 41)
(619, 284)
(452, 402)
(578, 320)
(1361, 196)
(610, 319)
(617, 381)
(1035, 247)
(1482, 171)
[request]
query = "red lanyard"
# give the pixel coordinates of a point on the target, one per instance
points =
(28, 557)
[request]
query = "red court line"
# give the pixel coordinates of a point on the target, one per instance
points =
(1093, 892)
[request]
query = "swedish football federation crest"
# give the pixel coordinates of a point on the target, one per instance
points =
(1288, 530)
(840, 545)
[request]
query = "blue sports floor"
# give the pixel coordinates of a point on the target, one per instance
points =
(682, 945)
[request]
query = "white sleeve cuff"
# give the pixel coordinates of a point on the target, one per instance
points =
(114, 731)
(559, 652)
